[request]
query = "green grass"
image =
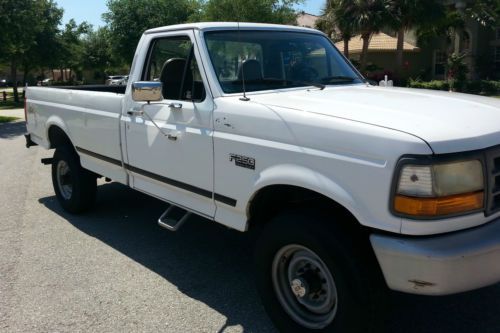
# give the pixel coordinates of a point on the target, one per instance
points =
(11, 105)
(4, 119)
(7, 89)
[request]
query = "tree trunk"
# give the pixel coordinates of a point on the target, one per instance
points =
(13, 77)
(399, 50)
(62, 74)
(366, 43)
(26, 71)
(346, 47)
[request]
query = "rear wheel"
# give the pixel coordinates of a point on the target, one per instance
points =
(74, 186)
(313, 275)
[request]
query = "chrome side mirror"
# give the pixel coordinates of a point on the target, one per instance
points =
(147, 91)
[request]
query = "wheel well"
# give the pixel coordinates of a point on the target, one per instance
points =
(58, 138)
(271, 200)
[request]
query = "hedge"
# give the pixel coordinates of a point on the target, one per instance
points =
(482, 87)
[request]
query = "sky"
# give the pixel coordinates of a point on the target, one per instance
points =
(91, 10)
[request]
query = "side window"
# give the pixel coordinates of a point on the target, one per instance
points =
(228, 57)
(171, 60)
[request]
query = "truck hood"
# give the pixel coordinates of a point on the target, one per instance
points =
(448, 122)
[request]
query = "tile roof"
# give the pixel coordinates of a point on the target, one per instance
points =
(379, 43)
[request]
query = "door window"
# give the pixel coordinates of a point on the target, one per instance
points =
(171, 60)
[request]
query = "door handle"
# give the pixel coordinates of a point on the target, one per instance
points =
(175, 105)
(174, 135)
(134, 112)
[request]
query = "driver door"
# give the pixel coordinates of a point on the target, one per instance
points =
(169, 148)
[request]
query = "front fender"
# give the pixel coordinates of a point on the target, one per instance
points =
(300, 176)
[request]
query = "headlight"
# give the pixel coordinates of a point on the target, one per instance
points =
(439, 189)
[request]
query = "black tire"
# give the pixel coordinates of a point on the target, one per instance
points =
(76, 189)
(359, 289)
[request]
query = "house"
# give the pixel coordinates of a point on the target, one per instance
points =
(307, 20)
(479, 44)
(382, 54)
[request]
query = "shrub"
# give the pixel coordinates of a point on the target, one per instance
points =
(483, 87)
(490, 87)
(473, 87)
(433, 85)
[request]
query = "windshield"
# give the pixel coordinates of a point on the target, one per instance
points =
(276, 59)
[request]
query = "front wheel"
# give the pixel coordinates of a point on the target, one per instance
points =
(313, 276)
(74, 186)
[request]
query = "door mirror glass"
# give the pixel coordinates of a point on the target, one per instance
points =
(147, 91)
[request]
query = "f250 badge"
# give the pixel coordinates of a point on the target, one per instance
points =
(242, 161)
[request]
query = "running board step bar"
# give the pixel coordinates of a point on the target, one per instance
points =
(46, 161)
(173, 218)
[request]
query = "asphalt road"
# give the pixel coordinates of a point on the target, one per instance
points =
(115, 270)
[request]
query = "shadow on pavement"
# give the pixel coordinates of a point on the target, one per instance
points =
(12, 130)
(213, 264)
(205, 260)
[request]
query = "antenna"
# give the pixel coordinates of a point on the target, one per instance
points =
(244, 98)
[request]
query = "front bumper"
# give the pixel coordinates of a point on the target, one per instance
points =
(441, 265)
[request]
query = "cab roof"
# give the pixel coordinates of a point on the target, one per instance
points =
(205, 26)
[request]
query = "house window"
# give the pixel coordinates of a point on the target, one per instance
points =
(497, 57)
(465, 42)
(440, 58)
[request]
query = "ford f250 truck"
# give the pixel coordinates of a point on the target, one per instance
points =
(354, 189)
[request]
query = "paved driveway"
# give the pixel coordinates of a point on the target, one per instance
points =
(115, 270)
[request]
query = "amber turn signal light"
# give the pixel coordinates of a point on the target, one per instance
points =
(431, 207)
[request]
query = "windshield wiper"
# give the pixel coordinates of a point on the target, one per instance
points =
(294, 82)
(338, 79)
(321, 86)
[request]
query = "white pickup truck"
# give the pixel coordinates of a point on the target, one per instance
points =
(354, 189)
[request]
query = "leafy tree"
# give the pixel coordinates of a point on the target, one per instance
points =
(408, 14)
(71, 46)
(486, 12)
(444, 27)
(128, 19)
(262, 11)
(28, 24)
(97, 53)
(45, 54)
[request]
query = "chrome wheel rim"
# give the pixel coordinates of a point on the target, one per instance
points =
(304, 286)
(64, 179)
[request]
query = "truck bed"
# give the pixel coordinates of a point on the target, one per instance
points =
(89, 115)
(95, 87)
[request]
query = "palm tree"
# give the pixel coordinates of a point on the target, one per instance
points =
(346, 33)
(333, 24)
(363, 16)
(408, 14)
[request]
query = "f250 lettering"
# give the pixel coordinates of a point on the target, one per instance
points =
(242, 161)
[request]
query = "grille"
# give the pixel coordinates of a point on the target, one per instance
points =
(493, 169)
